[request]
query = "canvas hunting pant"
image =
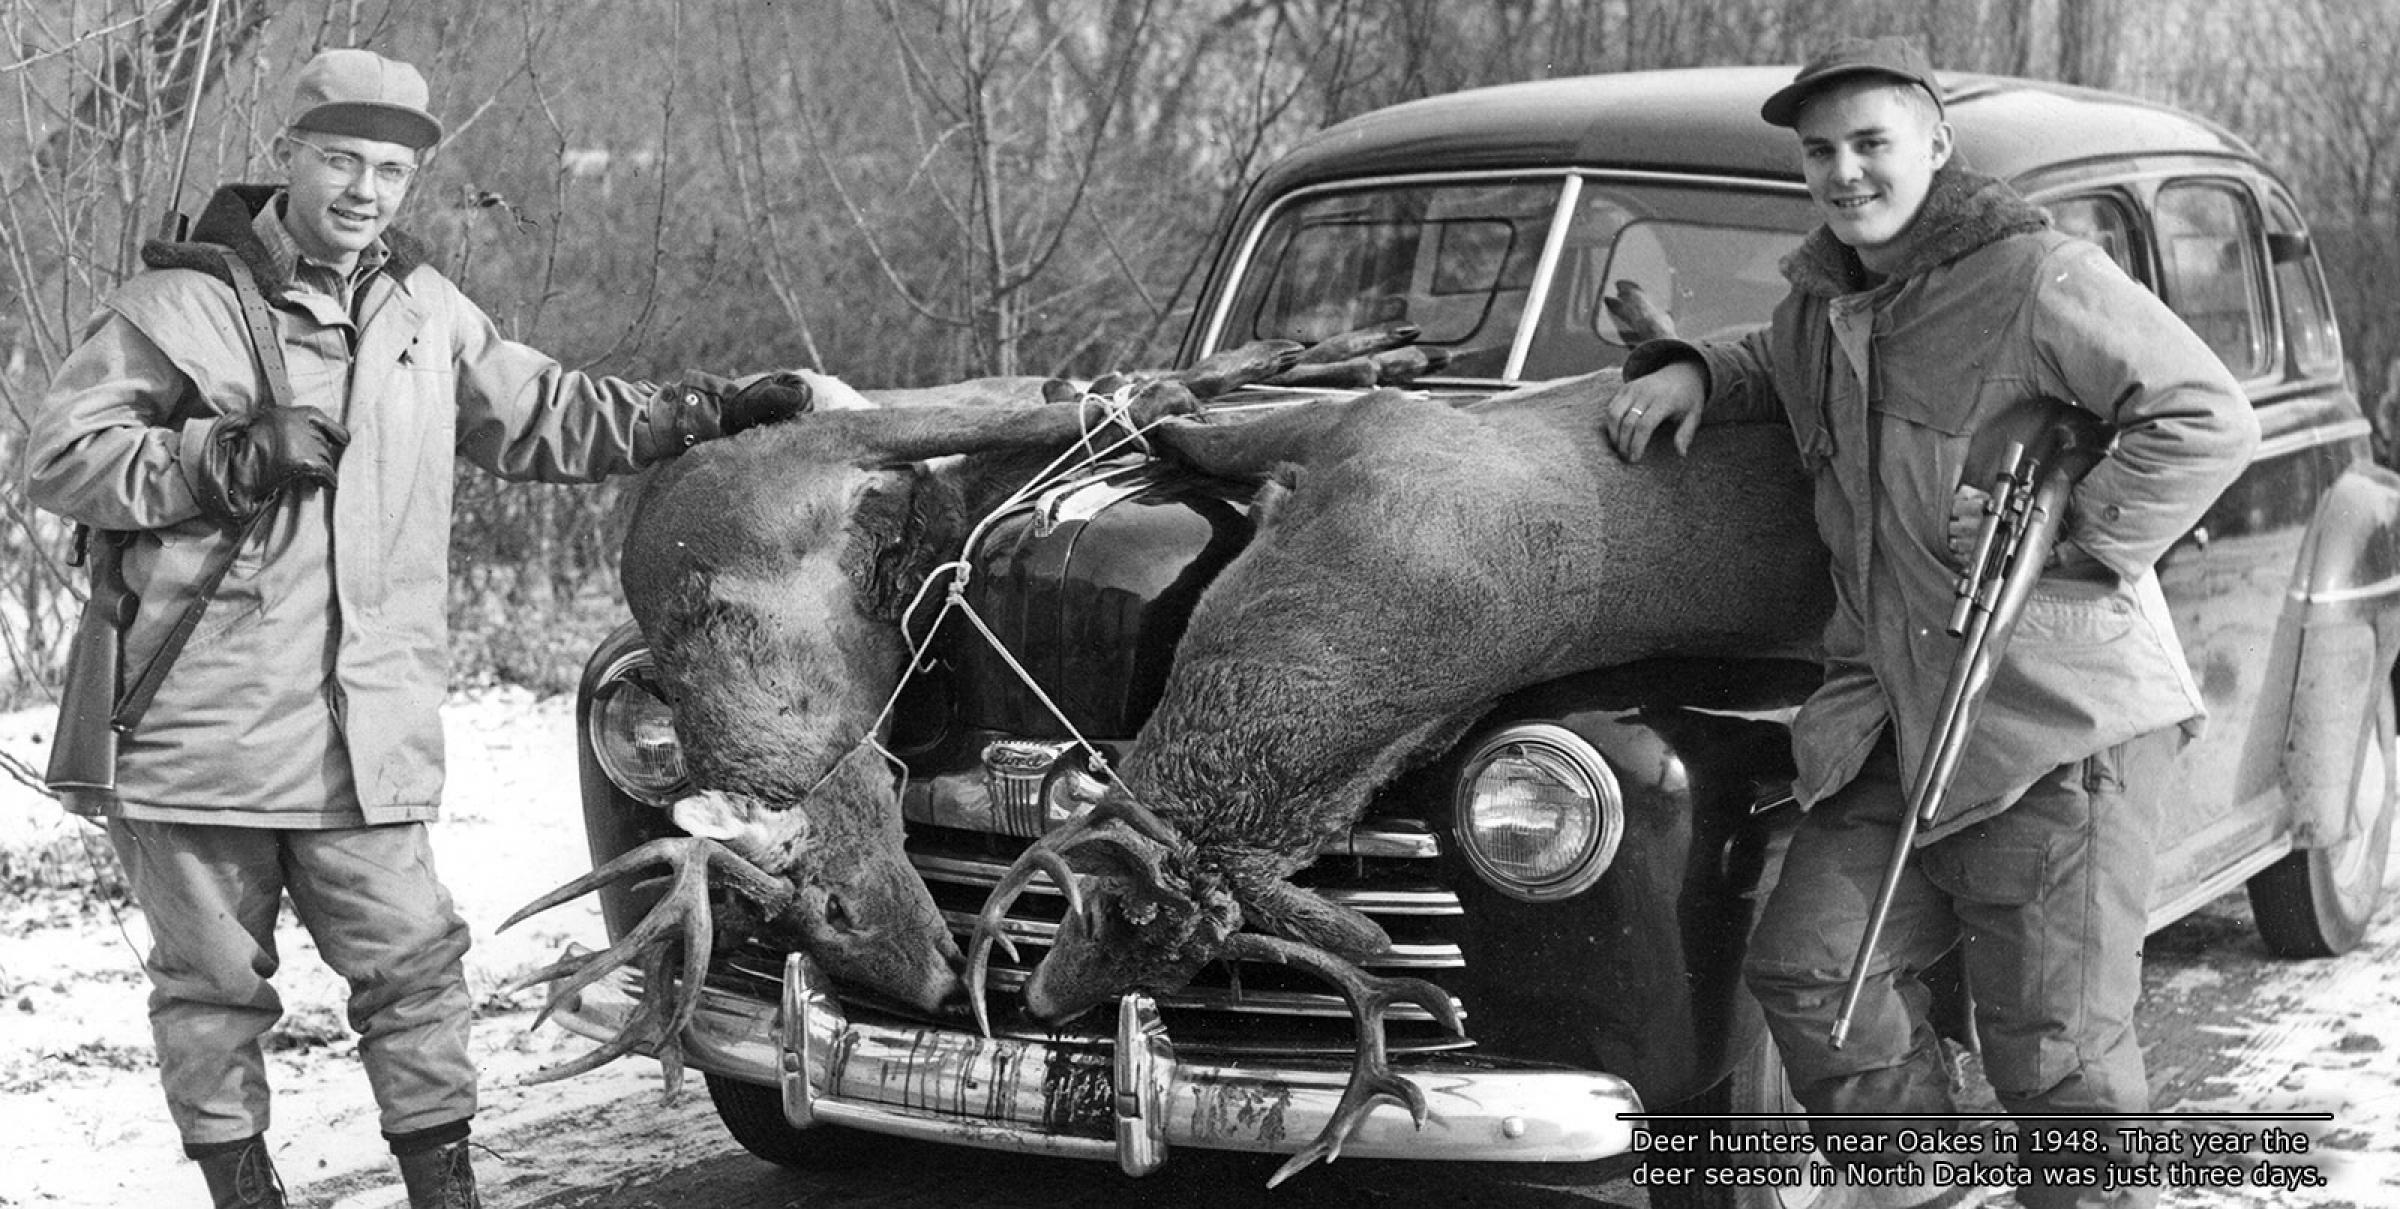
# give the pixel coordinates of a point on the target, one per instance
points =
(2049, 899)
(382, 920)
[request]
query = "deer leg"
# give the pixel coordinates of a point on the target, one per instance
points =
(1236, 448)
(681, 918)
(1371, 1075)
(887, 437)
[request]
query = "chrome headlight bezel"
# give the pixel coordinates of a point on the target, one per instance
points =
(1568, 760)
(631, 730)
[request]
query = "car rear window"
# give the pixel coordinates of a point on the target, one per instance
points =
(2313, 343)
(2104, 221)
(2209, 259)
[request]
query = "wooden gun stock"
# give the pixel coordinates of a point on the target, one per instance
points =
(83, 749)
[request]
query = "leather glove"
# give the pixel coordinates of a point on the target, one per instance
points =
(704, 407)
(249, 460)
(770, 400)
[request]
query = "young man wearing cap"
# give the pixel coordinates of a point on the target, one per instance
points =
(1931, 299)
(294, 744)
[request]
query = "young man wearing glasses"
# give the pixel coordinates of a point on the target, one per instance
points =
(293, 746)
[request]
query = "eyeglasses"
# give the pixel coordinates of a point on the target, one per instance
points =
(391, 174)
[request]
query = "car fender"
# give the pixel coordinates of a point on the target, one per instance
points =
(1640, 975)
(613, 823)
(2345, 612)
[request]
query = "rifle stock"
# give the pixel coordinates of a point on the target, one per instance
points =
(83, 749)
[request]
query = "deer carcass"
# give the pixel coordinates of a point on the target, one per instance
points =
(1413, 562)
(768, 574)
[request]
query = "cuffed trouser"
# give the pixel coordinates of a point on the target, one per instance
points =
(2050, 900)
(383, 921)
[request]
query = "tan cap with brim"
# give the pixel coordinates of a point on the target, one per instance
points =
(364, 95)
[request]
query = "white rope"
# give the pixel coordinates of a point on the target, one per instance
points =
(1113, 409)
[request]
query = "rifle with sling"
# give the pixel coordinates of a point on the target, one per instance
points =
(96, 707)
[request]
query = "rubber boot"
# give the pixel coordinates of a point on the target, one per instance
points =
(440, 1178)
(240, 1175)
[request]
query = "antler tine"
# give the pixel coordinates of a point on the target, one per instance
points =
(681, 914)
(645, 1027)
(582, 970)
(1371, 1075)
(1045, 856)
(616, 870)
(657, 969)
(1122, 808)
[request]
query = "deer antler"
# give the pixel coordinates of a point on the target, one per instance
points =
(1371, 1076)
(1048, 855)
(681, 913)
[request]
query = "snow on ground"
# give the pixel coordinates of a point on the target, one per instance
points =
(82, 1127)
(81, 1122)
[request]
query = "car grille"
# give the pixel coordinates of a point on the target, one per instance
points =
(1250, 1007)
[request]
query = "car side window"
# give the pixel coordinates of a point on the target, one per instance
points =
(2210, 267)
(2106, 221)
(2312, 343)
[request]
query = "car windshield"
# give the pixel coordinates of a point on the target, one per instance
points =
(1462, 261)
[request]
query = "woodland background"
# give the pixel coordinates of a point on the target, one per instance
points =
(912, 191)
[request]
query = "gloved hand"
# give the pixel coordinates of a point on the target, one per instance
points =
(248, 460)
(704, 406)
(774, 398)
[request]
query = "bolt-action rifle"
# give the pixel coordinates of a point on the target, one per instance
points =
(2042, 448)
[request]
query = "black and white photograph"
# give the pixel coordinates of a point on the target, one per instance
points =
(1631, 604)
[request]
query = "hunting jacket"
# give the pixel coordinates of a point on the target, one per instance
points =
(1884, 383)
(310, 693)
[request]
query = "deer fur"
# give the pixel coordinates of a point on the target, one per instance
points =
(767, 573)
(1413, 562)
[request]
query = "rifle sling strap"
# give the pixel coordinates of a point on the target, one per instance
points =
(266, 351)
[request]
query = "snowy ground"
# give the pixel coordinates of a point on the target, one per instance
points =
(81, 1126)
(81, 1123)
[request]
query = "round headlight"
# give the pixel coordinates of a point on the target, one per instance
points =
(1539, 812)
(632, 732)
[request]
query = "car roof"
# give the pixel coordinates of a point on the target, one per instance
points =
(1706, 120)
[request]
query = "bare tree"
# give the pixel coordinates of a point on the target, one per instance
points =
(2087, 41)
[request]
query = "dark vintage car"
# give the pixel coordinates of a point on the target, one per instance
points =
(1580, 872)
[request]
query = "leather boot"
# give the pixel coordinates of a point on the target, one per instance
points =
(241, 1176)
(440, 1178)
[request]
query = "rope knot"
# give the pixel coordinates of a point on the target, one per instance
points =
(1101, 411)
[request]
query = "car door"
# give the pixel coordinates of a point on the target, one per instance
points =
(2201, 240)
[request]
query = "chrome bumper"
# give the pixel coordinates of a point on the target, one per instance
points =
(1131, 1099)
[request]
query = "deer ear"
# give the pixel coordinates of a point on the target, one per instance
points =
(1121, 851)
(887, 556)
(1282, 909)
(1282, 482)
(1138, 863)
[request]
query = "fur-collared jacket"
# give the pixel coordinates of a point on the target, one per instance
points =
(1885, 382)
(310, 693)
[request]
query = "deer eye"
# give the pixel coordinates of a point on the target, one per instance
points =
(837, 916)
